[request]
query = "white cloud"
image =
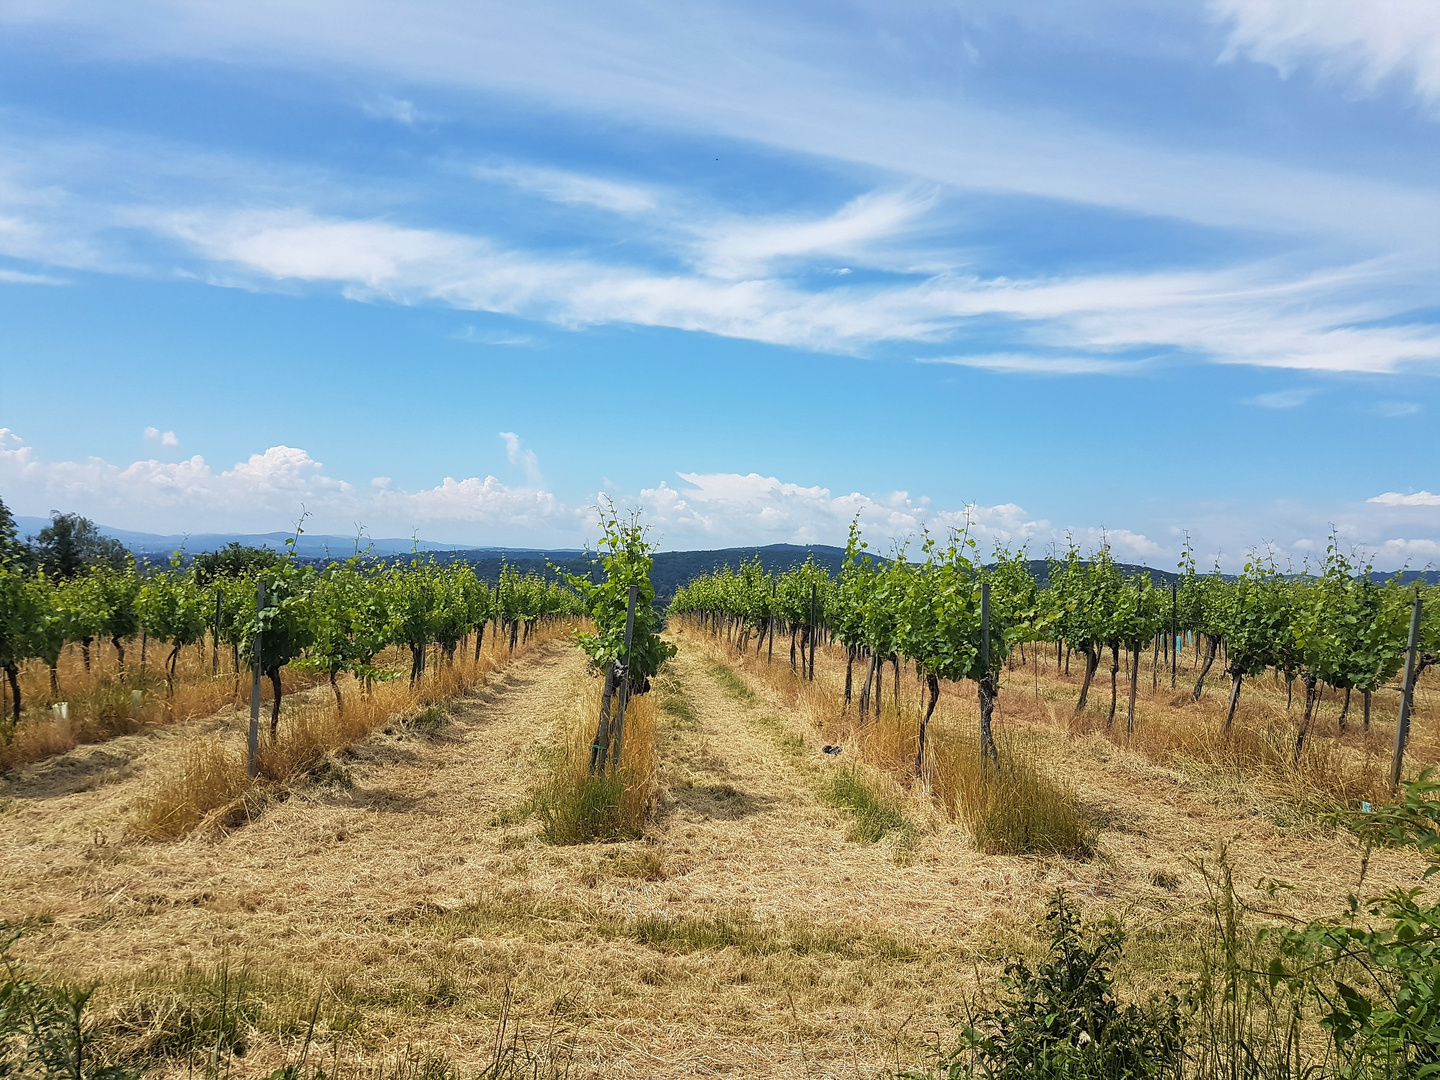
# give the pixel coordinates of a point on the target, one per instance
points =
(704, 510)
(721, 509)
(571, 188)
(385, 107)
(1257, 315)
(782, 76)
(521, 457)
(1401, 552)
(731, 248)
(1022, 364)
(190, 496)
(1363, 43)
(164, 438)
(1394, 498)
(1281, 399)
(493, 337)
(19, 277)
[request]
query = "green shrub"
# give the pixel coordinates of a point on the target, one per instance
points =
(1062, 1019)
(43, 1029)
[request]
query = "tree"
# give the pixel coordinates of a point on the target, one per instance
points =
(12, 548)
(1086, 599)
(113, 594)
(72, 544)
(1200, 600)
(1255, 618)
(59, 617)
(1141, 613)
(234, 560)
(412, 595)
(349, 624)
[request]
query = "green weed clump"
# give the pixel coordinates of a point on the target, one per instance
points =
(579, 813)
(876, 813)
(44, 1027)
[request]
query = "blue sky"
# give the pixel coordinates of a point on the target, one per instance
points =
(1120, 269)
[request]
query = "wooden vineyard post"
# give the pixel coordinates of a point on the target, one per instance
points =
(254, 763)
(814, 630)
(215, 656)
(985, 625)
(624, 680)
(988, 753)
(770, 647)
(1174, 623)
(1402, 724)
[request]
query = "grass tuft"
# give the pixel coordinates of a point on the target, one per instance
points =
(1014, 808)
(575, 807)
(203, 779)
(731, 683)
(876, 814)
(578, 813)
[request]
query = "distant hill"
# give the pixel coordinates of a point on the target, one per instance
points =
(672, 568)
(308, 545)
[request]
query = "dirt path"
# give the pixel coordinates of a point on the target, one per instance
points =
(302, 877)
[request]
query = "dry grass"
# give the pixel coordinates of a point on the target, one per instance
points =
(1013, 808)
(576, 807)
(1254, 766)
(204, 778)
(1019, 808)
(102, 703)
(205, 784)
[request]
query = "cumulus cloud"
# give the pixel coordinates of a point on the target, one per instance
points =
(1394, 498)
(276, 485)
(720, 509)
(1364, 44)
(164, 438)
(1409, 552)
(697, 510)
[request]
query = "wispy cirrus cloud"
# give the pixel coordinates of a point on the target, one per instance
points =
(1362, 44)
(1282, 399)
(1040, 364)
(572, 188)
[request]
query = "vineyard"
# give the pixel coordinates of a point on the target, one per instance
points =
(947, 618)
(890, 821)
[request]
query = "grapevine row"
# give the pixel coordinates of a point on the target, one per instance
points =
(1337, 627)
